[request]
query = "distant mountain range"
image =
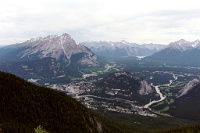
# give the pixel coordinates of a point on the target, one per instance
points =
(49, 56)
(180, 52)
(122, 49)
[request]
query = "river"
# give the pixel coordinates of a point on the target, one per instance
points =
(162, 97)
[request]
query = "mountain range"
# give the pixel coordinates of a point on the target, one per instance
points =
(179, 52)
(122, 49)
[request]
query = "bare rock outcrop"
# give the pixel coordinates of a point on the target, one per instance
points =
(145, 88)
(188, 87)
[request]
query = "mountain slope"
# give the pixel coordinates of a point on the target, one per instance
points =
(189, 87)
(25, 106)
(128, 85)
(187, 102)
(61, 47)
(179, 53)
(126, 81)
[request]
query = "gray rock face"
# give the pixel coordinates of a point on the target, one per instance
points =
(145, 88)
(188, 87)
(61, 47)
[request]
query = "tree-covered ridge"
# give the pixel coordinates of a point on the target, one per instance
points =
(24, 106)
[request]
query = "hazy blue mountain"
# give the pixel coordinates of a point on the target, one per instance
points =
(123, 48)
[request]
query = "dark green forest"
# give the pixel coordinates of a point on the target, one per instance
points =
(189, 129)
(24, 106)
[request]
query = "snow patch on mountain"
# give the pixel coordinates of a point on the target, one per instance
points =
(180, 45)
(196, 44)
(183, 45)
(122, 48)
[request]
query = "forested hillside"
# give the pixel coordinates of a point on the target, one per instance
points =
(24, 106)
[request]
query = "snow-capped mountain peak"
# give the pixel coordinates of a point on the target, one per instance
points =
(179, 53)
(181, 45)
(124, 42)
(50, 38)
(181, 42)
(196, 43)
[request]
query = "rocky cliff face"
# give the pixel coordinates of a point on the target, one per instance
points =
(188, 87)
(145, 88)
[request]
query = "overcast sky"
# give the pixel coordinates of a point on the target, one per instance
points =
(139, 21)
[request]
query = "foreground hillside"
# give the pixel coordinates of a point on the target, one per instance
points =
(189, 129)
(24, 106)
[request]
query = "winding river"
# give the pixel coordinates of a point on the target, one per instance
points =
(162, 97)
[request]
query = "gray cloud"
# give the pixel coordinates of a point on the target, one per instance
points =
(87, 20)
